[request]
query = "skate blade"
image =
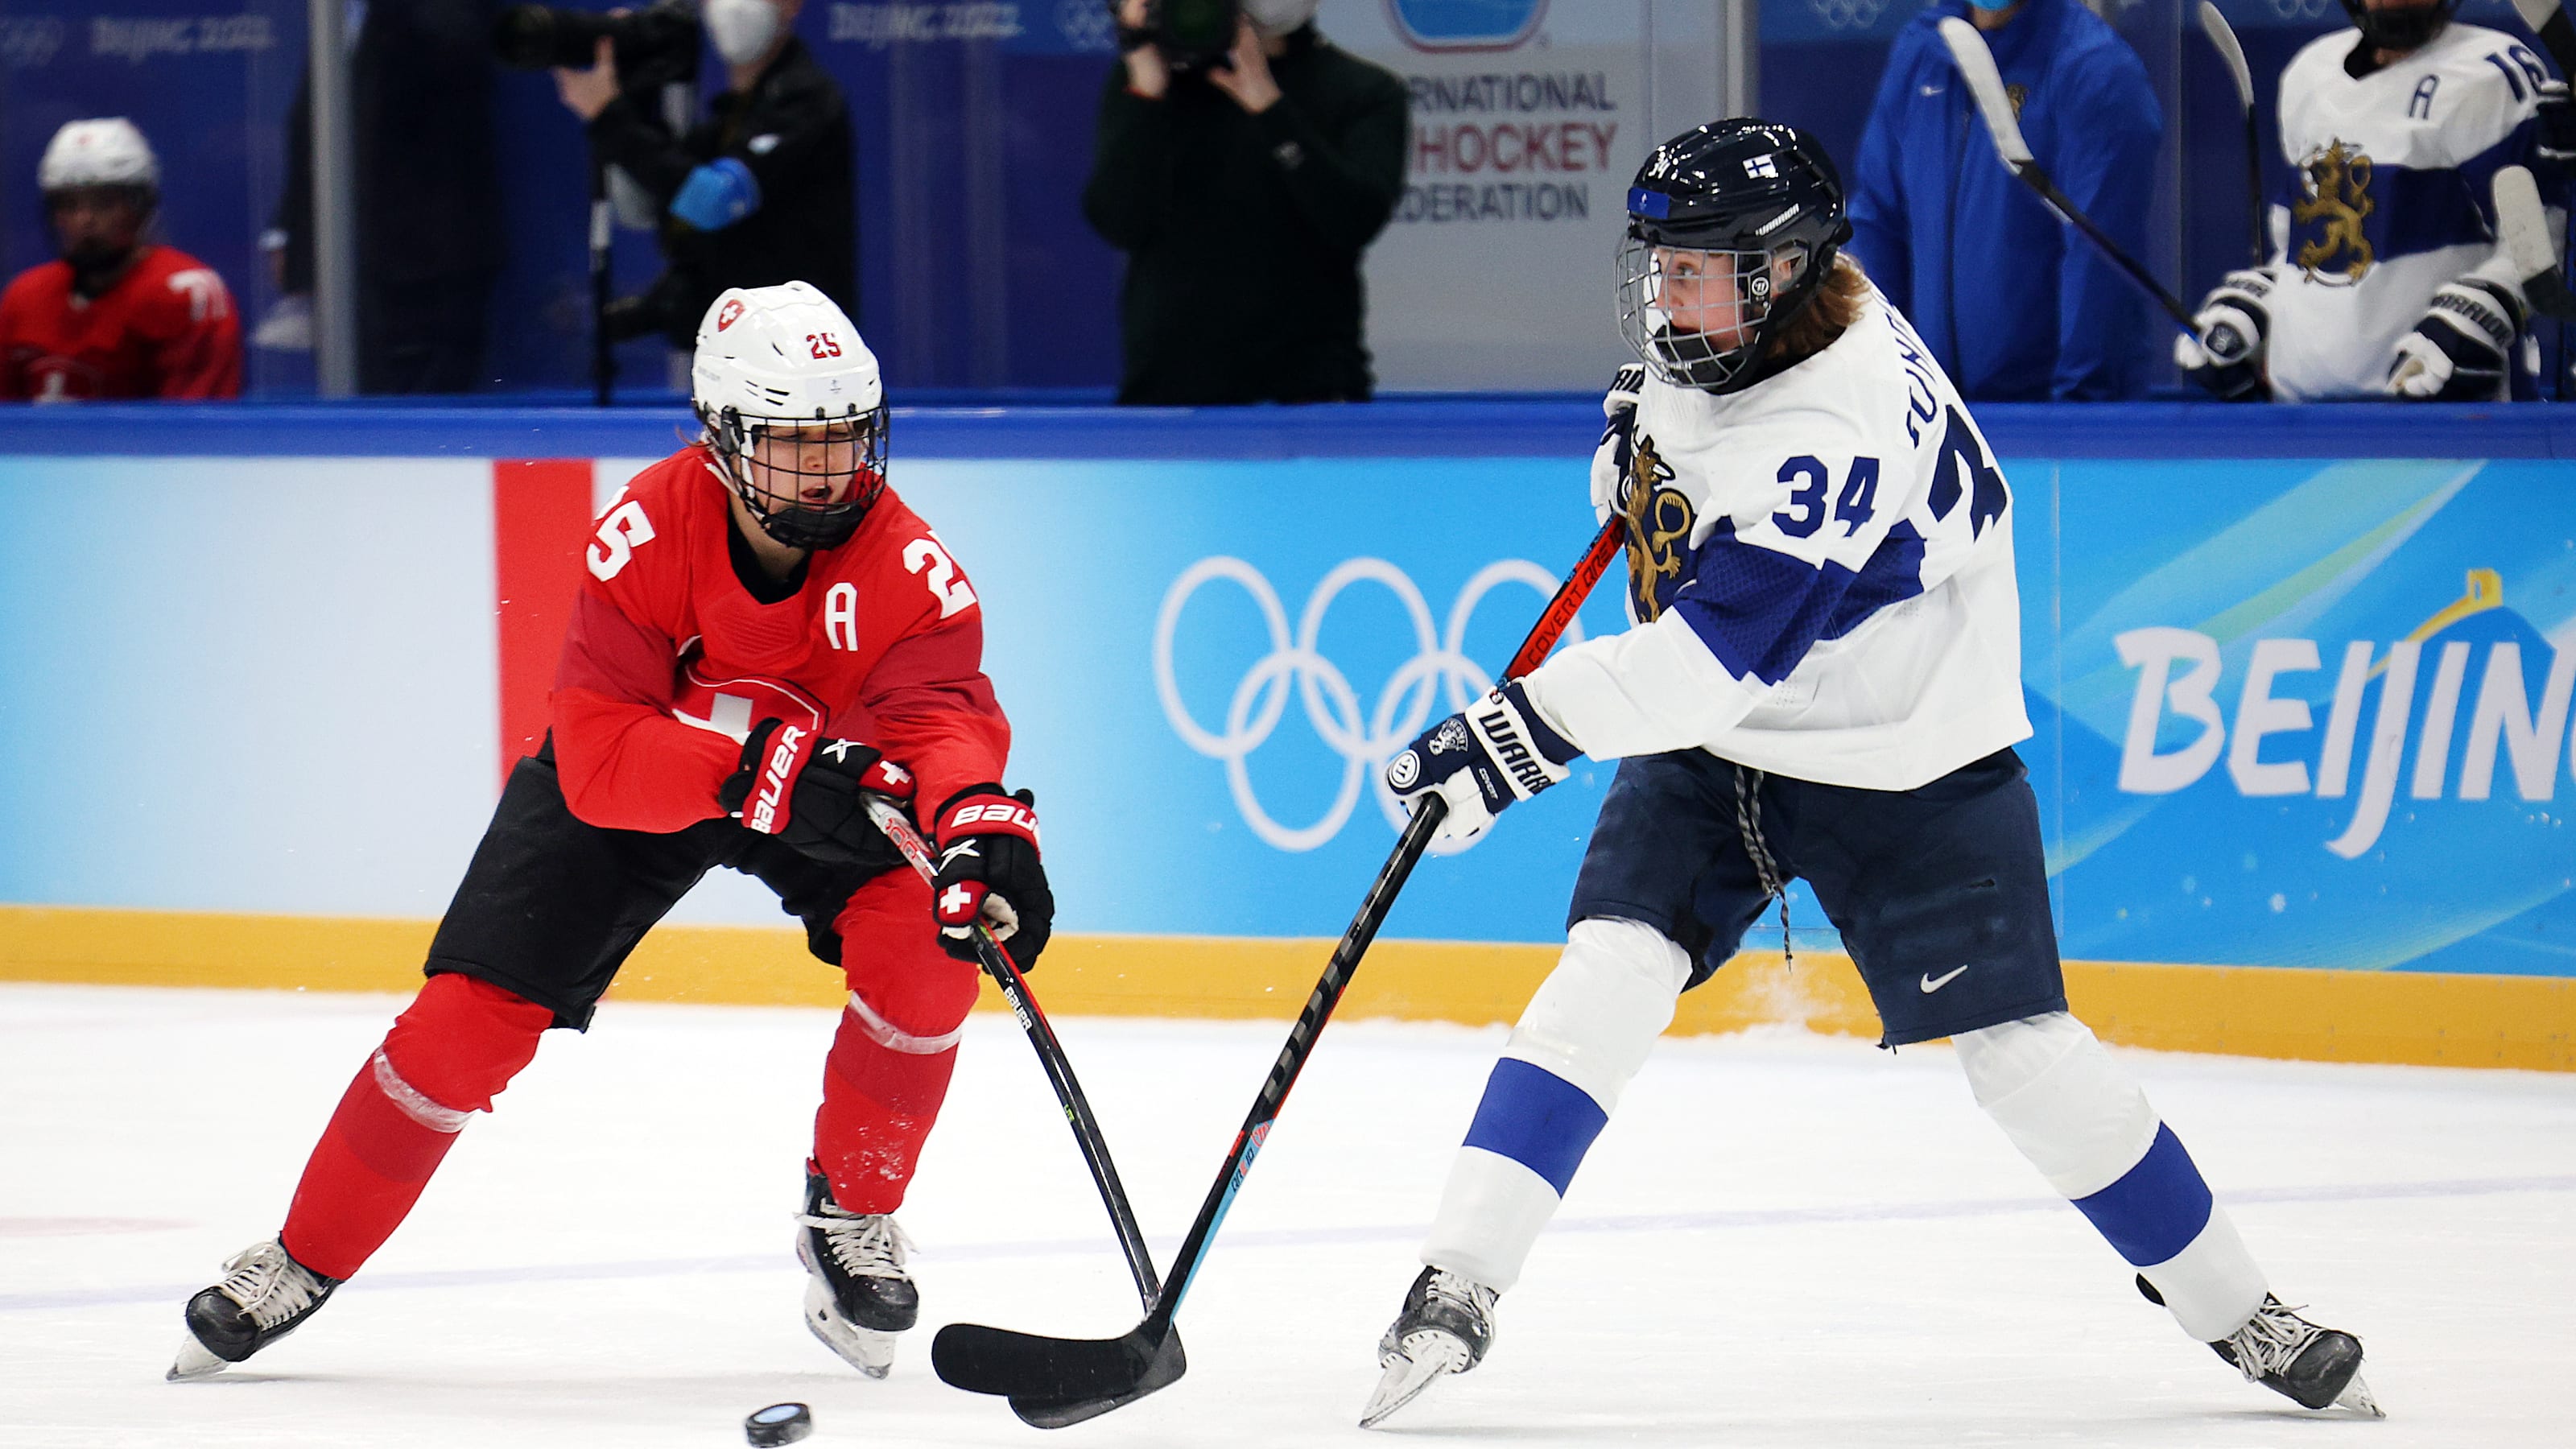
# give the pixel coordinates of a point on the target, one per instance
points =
(194, 1362)
(865, 1349)
(1422, 1358)
(2356, 1397)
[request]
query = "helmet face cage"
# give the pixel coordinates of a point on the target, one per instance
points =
(774, 460)
(1702, 317)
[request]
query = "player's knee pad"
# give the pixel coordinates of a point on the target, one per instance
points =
(2079, 1117)
(460, 1043)
(1597, 1015)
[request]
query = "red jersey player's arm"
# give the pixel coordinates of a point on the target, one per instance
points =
(201, 357)
(935, 711)
(625, 763)
(13, 303)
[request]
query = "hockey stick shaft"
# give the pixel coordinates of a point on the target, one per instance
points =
(1409, 847)
(2548, 20)
(1977, 66)
(1059, 1071)
(2223, 39)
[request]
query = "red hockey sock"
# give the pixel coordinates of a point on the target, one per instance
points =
(446, 1057)
(881, 1093)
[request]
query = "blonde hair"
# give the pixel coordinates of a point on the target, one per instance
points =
(1831, 312)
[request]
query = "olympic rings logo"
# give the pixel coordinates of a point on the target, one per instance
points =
(1439, 675)
(1848, 14)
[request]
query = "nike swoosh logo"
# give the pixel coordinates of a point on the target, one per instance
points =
(1932, 983)
(1934, 90)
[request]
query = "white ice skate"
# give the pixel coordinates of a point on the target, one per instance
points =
(1445, 1328)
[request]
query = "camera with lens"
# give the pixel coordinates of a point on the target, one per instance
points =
(1191, 34)
(655, 46)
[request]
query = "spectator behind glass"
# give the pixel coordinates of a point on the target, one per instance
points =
(2015, 306)
(759, 193)
(426, 192)
(118, 315)
(1243, 194)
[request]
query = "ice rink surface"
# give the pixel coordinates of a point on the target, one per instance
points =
(1780, 1240)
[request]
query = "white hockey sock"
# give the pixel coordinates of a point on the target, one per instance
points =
(2086, 1125)
(1582, 1037)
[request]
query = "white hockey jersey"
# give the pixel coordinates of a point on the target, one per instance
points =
(1820, 577)
(2393, 181)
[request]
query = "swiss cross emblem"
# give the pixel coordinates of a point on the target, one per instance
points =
(725, 318)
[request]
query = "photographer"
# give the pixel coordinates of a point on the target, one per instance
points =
(757, 194)
(1243, 181)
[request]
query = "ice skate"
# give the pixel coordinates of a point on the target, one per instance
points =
(859, 1296)
(1445, 1328)
(2314, 1367)
(265, 1296)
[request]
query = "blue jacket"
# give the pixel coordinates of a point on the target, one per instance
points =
(2014, 303)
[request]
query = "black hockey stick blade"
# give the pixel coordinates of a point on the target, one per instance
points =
(1052, 1382)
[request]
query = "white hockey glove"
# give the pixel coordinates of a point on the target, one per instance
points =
(1498, 752)
(2458, 352)
(2234, 325)
(1610, 460)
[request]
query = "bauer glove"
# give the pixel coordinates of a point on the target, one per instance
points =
(808, 791)
(1498, 752)
(1618, 439)
(2232, 328)
(2459, 352)
(989, 872)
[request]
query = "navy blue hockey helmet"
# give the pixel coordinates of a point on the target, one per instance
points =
(1731, 229)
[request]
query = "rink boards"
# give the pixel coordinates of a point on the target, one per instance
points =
(2298, 680)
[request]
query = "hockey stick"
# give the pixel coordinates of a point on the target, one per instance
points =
(2223, 39)
(890, 819)
(2523, 226)
(1078, 1378)
(1986, 84)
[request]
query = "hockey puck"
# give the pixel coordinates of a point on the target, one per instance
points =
(778, 1424)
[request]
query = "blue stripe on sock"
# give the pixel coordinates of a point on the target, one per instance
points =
(2156, 1208)
(1537, 1119)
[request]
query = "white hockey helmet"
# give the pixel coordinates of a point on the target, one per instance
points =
(785, 360)
(105, 152)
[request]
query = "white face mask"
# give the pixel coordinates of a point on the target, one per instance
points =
(741, 29)
(1275, 18)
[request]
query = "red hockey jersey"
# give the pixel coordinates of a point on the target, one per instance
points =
(166, 329)
(670, 661)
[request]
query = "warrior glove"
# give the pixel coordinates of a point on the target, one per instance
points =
(2458, 352)
(2226, 352)
(989, 872)
(1498, 752)
(807, 791)
(1618, 439)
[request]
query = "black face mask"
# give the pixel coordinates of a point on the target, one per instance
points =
(2399, 29)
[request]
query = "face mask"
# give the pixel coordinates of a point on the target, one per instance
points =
(1275, 18)
(741, 29)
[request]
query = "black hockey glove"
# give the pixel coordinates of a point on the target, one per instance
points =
(806, 790)
(989, 871)
(2234, 322)
(2554, 143)
(1618, 439)
(1498, 752)
(2459, 352)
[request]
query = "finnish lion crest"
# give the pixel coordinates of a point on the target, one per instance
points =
(2338, 197)
(1659, 523)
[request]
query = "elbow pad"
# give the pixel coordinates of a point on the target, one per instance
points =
(717, 195)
